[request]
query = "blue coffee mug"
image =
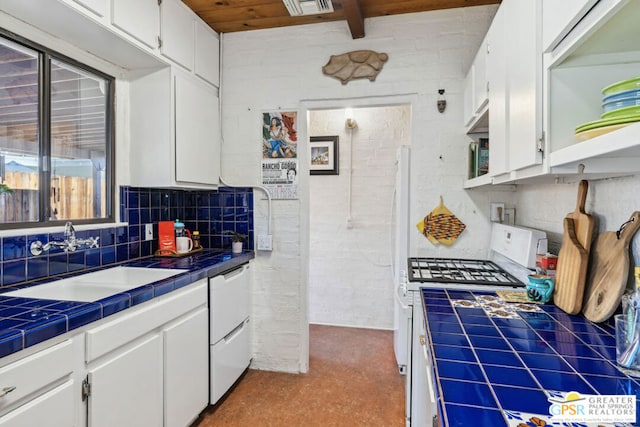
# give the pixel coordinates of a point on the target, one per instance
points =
(539, 288)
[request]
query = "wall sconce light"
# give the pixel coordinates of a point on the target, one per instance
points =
(442, 103)
(349, 121)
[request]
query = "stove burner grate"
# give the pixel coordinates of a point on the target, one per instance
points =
(452, 270)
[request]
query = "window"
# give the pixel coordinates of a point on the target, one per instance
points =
(55, 138)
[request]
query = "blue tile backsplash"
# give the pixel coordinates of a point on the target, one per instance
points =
(211, 212)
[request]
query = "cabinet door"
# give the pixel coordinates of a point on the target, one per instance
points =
(524, 82)
(127, 389)
(422, 399)
(469, 109)
(177, 32)
(559, 17)
(99, 7)
(186, 369)
(207, 60)
(497, 77)
(480, 84)
(197, 142)
(140, 19)
(54, 408)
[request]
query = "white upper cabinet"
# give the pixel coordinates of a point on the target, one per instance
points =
(602, 49)
(480, 82)
(207, 52)
(197, 140)
(177, 32)
(476, 91)
(140, 19)
(497, 78)
(99, 7)
(175, 130)
(508, 72)
(524, 83)
(559, 17)
(469, 113)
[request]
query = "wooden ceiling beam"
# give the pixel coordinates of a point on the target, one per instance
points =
(355, 20)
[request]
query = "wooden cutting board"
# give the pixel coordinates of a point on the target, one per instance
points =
(584, 223)
(441, 226)
(571, 272)
(609, 270)
(573, 258)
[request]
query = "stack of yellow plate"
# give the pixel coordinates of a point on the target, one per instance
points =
(621, 107)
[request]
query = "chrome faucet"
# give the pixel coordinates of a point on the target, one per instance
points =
(69, 244)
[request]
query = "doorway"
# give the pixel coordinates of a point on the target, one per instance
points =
(350, 279)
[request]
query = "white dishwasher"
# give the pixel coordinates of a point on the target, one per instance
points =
(229, 336)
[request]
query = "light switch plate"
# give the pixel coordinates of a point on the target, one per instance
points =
(265, 242)
(148, 232)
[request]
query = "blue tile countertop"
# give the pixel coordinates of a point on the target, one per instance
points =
(28, 321)
(498, 364)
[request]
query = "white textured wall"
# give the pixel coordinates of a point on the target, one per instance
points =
(281, 68)
(610, 201)
(350, 280)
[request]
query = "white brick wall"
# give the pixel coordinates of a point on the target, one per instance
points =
(610, 201)
(281, 68)
(350, 279)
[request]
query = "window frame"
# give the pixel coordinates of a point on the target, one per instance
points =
(45, 55)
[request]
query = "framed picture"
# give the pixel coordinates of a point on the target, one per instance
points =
(323, 155)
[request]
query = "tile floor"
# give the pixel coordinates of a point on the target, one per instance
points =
(353, 380)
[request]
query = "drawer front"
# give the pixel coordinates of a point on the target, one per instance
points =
(229, 295)
(229, 358)
(31, 376)
(54, 408)
(137, 322)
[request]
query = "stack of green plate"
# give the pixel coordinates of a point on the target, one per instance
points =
(619, 110)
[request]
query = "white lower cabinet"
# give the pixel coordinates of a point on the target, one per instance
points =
(146, 366)
(53, 408)
(149, 366)
(423, 403)
(186, 363)
(126, 390)
(36, 384)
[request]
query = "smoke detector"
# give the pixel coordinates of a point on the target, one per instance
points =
(308, 7)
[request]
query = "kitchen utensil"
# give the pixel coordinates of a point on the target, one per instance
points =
(572, 271)
(609, 271)
(441, 226)
(621, 86)
(573, 258)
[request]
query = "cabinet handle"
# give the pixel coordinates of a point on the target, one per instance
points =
(432, 395)
(6, 391)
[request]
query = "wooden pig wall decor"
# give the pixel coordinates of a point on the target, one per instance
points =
(358, 64)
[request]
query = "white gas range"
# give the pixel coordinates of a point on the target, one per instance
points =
(512, 256)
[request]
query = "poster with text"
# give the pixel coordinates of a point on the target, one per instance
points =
(280, 154)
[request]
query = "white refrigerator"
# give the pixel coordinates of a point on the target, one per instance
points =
(400, 253)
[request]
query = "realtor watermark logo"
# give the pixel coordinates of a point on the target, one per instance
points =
(593, 408)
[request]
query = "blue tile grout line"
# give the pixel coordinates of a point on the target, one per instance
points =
(27, 321)
(465, 337)
(119, 244)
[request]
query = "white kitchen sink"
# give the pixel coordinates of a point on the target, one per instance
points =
(94, 286)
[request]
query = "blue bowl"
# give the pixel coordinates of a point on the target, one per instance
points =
(616, 105)
(620, 96)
